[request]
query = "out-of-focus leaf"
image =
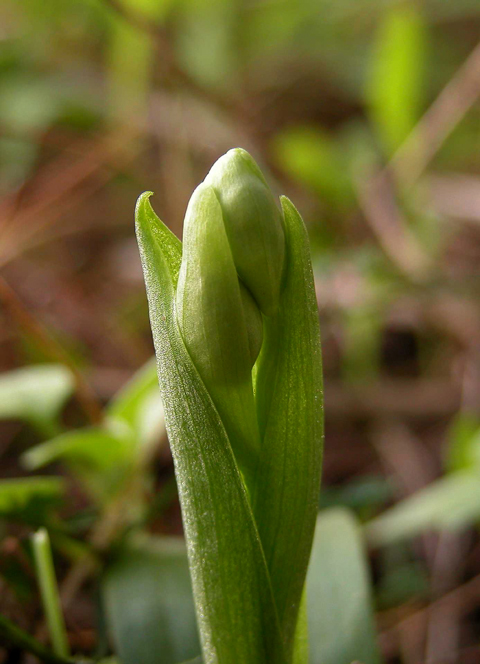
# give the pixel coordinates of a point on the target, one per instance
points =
(130, 58)
(340, 614)
(450, 503)
(206, 43)
(362, 338)
(29, 498)
(139, 405)
(313, 158)
(149, 603)
(233, 596)
(400, 583)
(362, 495)
(35, 394)
(463, 439)
(129, 64)
(395, 88)
(100, 457)
(126, 403)
(27, 104)
(92, 447)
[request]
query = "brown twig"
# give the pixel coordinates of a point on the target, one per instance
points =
(31, 325)
(61, 186)
(376, 195)
(461, 599)
(444, 114)
(377, 199)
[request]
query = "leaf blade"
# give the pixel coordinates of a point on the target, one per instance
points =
(341, 624)
(148, 600)
(290, 409)
(235, 609)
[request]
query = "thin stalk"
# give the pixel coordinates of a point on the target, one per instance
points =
(10, 633)
(49, 593)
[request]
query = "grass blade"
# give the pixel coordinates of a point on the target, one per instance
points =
(49, 592)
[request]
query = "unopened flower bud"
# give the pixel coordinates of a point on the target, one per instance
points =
(253, 224)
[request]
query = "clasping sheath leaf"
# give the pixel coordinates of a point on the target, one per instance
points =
(235, 325)
(235, 609)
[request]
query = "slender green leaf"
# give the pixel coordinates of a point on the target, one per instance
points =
(149, 603)
(290, 412)
(235, 608)
(315, 159)
(93, 447)
(450, 503)
(340, 615)
(395, 88)
(47, 582)
(100, 458)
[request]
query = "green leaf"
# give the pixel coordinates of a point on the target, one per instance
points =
(148, 601)
(301, 645)
(395, 88)
(29, 498)
(138, 405)
(450, 503)
(463, 451)
(316, 160)
(235, 608)
(127, 402)
(47, 582)
(35, 394)
(99, 457)
(365, 495)
(290, 412)
(340, 614)
(362, 328)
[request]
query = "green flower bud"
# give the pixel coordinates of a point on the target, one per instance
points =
(253, 224)
(232, 261)
(219, 321)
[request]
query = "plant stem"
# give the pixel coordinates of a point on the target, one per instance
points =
(16, 636)
(49, 593)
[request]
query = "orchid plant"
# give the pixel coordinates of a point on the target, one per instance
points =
(235, 325)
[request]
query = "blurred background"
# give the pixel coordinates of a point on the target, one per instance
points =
(366, 113)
